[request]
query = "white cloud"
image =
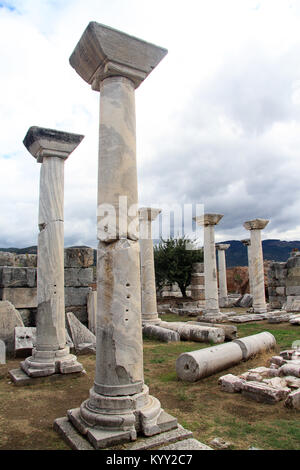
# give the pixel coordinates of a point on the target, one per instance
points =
(218, 120)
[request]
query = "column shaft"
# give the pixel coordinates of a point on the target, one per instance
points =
(222, 275)
(50, 320)
(257, 270)
(119, 361)
(210, 271)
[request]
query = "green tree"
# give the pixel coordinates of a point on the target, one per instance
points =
(173, 260)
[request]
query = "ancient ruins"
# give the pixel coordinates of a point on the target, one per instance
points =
(63, 299)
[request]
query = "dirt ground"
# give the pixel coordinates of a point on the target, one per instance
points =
(27, 413)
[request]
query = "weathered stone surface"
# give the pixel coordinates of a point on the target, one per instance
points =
(50, 354)
(196, 365)
(92, 310)
(25, 339)
(78, 257)
(229, 330)
(292, 382)
(77, 442)
(208, 221)
(290, 369)
(220, 443)
(76, 296)
(278, 360)
(197, 333)
(27, 260)
(287, 354)
(223, 293)
(79, 333)
(21, 297)
(7, 259)
(293, 400)
(187, 444)
(276, 382)
(80, 312)
(246, 301)
(109, 52)
(148, 288)
(230, 383)
(17, 277)
(254, 344)
(9, 319)
(78, 277)
(161, 334)
(247, 318)
(264, 393)
(295, 320)
(256, 270)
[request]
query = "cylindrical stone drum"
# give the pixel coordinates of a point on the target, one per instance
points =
(252, 345)
(196, 365)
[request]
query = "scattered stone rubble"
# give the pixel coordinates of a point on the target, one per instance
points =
(280, 381)
(195, 365)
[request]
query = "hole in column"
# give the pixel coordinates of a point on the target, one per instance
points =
(127, 285)
(186, 367)
(128, 296)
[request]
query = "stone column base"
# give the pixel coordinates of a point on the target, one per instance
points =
(152, 319)
(44, 363)
(77, 441)
(106, 421)
(259, 309)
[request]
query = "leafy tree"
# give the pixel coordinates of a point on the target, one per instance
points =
(173, 260)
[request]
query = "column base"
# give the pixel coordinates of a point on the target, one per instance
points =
(44, 363)
(106, 421)
(258, 309)
(151, 319)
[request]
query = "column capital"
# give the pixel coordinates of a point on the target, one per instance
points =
(256, 224)
(246, 242)
(148, 213)
(208, 219)
(104, 52)
(222, 246)
(42, 142)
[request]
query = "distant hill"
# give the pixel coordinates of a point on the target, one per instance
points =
(236, 255)
(273, 250)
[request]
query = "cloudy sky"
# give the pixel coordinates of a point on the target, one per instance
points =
(218, 121)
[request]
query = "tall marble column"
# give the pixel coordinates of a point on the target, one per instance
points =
(51, 355)
(223, 295)
(208, 221)
(247, 242)
(148, 288)
(257, 264)
(119, 405)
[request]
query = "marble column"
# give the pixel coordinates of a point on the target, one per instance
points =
(148, 288)
(197, 283)
(208, 221)
(257, 264)
(51, 355)
(119, 406)
(223, 293)
(247, 242)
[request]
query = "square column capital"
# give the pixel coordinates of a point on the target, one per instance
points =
(208, 219)
(41, 142)
(256, 224)
(222, 246)
(105, 52)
